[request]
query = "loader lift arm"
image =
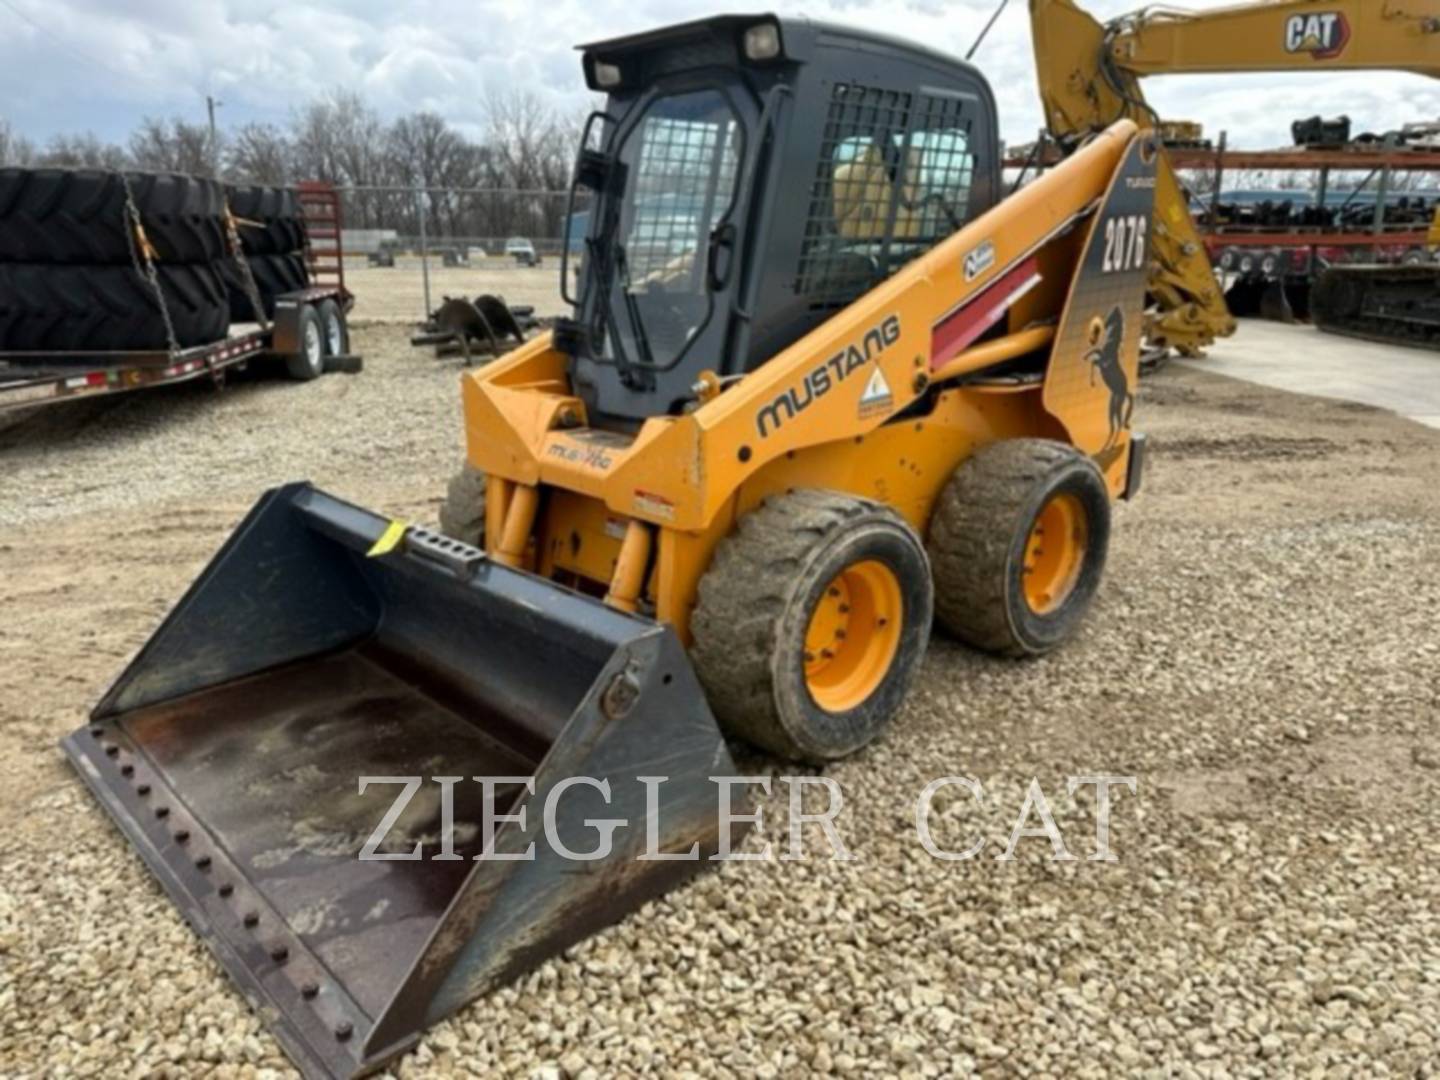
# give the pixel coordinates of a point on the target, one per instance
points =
(1089, 75)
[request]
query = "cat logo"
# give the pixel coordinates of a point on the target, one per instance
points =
(1322, 34)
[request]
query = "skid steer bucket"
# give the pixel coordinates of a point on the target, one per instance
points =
(233, 753)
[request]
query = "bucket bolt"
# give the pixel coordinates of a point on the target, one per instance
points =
(622, 694)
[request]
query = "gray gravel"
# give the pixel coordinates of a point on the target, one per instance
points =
(1264, 659)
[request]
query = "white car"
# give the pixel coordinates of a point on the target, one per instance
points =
(522, 251)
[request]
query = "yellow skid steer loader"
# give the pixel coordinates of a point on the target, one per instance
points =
(822, 380)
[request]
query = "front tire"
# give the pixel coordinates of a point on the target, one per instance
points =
(812, 619)
(1018, 543)
(462, 514)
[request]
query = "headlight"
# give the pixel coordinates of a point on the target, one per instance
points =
(607, 75)
(762, 41)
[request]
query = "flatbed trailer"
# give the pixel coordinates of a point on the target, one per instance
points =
(31, 379)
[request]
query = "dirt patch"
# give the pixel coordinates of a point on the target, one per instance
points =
(1248, 447)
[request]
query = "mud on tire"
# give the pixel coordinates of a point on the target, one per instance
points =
(75, 308)
(982, 534)
(77, 216)
(757, 602)
(462, 514)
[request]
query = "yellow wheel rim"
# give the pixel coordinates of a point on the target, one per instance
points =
(1055, 553)
(853, 635)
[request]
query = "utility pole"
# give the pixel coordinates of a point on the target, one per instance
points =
(210, 106)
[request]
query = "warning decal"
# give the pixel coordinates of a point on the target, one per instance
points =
(877, 396)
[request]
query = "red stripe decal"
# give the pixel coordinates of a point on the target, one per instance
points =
(953, 334)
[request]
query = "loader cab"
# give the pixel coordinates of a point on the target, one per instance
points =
(748, 177)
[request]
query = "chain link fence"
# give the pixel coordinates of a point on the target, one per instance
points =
(407, 248)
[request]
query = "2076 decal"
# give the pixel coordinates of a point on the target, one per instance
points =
(1124, 248)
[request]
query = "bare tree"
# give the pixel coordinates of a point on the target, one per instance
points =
(15, 149)
(426, 152)
(172, 146)
(258, 154)
(509, 182)
(85, 151)
(341, 139)
(529, 147)
(529, 143)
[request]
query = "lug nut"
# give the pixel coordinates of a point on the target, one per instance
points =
(344, 1030)
(112, 751)
(182, 836)
(251, 918)
(226, 889)
(203, 862)
(143, 789)
(279, 954)
(309, 990)
(162, 811)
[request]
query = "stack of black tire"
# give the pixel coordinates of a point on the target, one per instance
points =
(272, 238)
(72, 279)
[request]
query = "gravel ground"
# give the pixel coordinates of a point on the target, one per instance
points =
(1263, 659)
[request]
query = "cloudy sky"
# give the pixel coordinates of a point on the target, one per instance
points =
(73, 65)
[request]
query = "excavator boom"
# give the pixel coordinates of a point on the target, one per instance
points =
(1089, 75)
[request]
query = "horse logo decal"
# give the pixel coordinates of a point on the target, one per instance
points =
(1106, 338)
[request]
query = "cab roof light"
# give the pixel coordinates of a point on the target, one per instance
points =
(762, 41)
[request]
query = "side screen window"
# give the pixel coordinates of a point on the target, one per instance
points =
(896, 176)
(940, 171)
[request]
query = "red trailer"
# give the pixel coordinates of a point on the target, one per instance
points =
(308, 332)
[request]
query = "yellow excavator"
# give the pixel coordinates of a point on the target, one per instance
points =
(822, 381)
(1090, 75)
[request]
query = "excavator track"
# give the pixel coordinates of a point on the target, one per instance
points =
(1396, 305)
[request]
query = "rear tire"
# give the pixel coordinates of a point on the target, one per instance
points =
(999, 584)
(812, 619)
(309, 362)
(462, 514)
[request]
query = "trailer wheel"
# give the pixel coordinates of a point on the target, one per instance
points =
(812, 619)
(462, 514)
(1018, 543)
(309, 362)
(337, 334)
